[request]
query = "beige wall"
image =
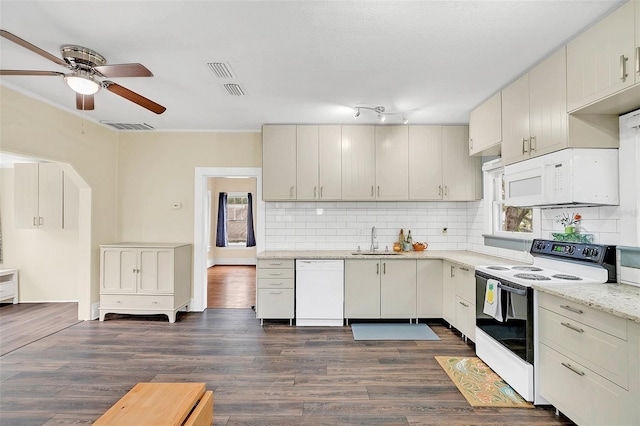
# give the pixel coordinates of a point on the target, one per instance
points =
(218, 255)
(32, 128)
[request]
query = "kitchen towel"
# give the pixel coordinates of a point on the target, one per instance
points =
(492, 304)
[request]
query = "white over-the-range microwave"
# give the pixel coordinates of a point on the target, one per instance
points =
(572, 176)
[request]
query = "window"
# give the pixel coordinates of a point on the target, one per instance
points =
(237, 207)
(504, 220)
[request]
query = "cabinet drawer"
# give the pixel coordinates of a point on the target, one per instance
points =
(582, 395)
(603, 321)
(603, 353)
(276, 263)
(465, 282)
(138, 301)
(275, 273)
(275, 303)
(7, 289)
(275, 283)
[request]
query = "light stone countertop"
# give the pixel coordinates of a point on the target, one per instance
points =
(465, 258)
(622, 300)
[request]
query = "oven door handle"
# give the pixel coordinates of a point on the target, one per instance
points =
(517, 291)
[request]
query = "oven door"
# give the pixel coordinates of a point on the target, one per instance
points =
(516, 332)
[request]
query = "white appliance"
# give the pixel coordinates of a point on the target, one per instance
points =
(583, 176)
(508, 347)
(319, 292)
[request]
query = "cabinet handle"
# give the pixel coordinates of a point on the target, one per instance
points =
(277, 283)
(321, 191)
(446, 190)
(275, 292)
(291, 192)
(384, 268)
(40, 220)
(439, 189)
(572, 327)
(470, 144)
(524, 145)
(572, 309)
(314, 191)
(463, 304)
(532, 144)
(275, 263)
(134, 270)
(371, 190)
(377, 269)
(452, 274)
(154, 302)
(623, 68)
(35, 221)
(378, 190)
(275, 273)
(572, 368)
(637, 59)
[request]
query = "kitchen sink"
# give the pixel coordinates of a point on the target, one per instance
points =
(376, 253)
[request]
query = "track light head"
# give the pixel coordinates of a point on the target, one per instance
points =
(404, 120)
(357, 113)
(381, 117)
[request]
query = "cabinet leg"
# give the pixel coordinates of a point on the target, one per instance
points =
(102, 315)
(171, 316)
(261, 322)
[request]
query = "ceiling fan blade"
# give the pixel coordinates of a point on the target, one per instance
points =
(29, 72)
(14, 38)
(84, 102)
(123, 70)
(133, 97)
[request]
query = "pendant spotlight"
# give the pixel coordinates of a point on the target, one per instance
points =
(381, 112)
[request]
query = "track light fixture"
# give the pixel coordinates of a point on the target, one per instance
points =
(381, 112)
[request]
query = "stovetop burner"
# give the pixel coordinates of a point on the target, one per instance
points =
(498, 268)
(532, 277)
(566, 277)
(527, 268)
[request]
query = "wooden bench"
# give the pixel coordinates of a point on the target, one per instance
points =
(156, 404)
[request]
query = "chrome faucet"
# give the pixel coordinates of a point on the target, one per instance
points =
(374, 235)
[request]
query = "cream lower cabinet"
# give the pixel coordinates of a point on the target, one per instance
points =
(379, 288)
(459, 298)
(275, 298)
(429, 288)
(588, 363)
(152, 278)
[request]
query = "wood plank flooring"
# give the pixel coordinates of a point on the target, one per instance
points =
(232, 286)
(271, 375)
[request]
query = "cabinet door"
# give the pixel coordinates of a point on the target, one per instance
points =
(307, 162)
(50, 181)
(25, 179)
(548, 104)
(118, 270)
(358, 163)
(515, 121)
(392, 162)
(429, 288)
(466, 318)
(278, 162)
(398, 289)
(425, 162)
(155, 270)
(600, 60)
(448, 292)
(485, 127)
(362, 289)
(330, 162)
(461, 173)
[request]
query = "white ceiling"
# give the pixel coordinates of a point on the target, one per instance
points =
(298, 61)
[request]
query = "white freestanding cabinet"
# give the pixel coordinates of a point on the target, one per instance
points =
(485, 127)
(602, 60)
(145, 278)
(392, 162)
(461, 172)
(279, 162)
(425, 162)
(319, 162)
(38, 195)
(9, 286)
(358, 163)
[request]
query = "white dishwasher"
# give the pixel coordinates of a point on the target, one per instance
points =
(319, 292)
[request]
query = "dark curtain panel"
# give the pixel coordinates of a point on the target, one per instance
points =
(251, 238)
(221, 230)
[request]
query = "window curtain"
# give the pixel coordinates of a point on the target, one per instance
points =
(221, 229)
(251, 238)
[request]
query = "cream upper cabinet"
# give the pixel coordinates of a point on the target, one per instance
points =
(330, 162)
(515, 121)
(38, 192)
(485, 127)
(461, 172)
(392, 162)
(358, 163)
(601, 60)
(425, 163)
(307, 163)
(279, 162)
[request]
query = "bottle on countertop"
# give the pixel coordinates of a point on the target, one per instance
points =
(409, 238)
(401, 238)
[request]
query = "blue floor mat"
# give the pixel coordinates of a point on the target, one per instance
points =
(393, 332)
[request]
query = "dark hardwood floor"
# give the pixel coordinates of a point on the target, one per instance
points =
(231, 286)
(271, 375)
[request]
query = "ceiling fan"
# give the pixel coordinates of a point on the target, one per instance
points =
(87, 67)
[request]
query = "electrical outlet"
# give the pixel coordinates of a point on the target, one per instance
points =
(444, 231)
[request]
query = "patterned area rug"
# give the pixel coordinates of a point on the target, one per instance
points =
(479, 384)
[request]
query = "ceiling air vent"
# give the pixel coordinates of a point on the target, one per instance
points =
(128, 126)
(234, 89)
(221, 69)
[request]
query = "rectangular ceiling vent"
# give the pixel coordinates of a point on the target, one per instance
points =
(234, 89)
(128, 126)
(221, 69)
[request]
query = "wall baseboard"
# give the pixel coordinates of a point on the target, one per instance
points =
(210, 262)
(95, 310)
(231, 261)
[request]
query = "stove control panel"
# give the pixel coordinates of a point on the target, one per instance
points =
(577, 251)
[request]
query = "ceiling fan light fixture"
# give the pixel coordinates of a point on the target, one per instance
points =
(82, 84)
